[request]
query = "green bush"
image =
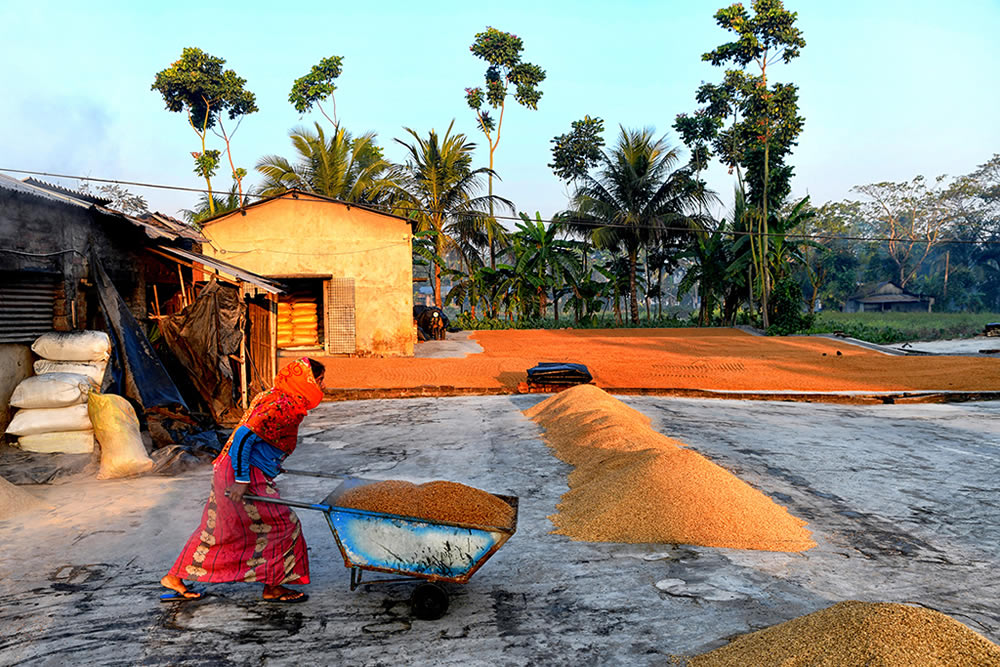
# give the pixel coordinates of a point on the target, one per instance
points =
(889, 327)
(786, 309)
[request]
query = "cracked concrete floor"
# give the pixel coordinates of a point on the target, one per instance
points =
(902, 501)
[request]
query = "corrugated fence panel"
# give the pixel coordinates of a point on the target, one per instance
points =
(340, 334)
(27, 305)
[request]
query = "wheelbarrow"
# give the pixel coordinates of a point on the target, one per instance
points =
(411, 548)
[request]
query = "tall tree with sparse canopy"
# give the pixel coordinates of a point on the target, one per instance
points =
(198, 85)
(502, 53)
(770, 122)
(316, 86)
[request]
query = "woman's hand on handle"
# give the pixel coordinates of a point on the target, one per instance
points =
(236, 490)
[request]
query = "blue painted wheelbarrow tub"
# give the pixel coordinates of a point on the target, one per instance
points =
(407, 546)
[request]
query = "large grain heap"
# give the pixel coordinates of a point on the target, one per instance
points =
(859, 633)
(632, 484)
(449, 502)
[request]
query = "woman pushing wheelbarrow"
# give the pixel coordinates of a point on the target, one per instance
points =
(246, 540)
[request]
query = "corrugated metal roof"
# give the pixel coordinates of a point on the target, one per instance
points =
(242, 274)
(76, 194)
(23, 187)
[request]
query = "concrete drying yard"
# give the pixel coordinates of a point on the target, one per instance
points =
(901, 499)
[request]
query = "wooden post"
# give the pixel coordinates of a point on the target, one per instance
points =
(156, 301)
(180, 276)
(243, 370)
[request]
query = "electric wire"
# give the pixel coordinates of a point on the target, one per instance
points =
(561, 220)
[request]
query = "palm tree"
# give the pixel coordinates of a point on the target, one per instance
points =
(550, 260)
(637, 196)
(343, 167)
(212, 204)
(436, 190)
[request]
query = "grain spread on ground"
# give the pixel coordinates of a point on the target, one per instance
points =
(859, 633)
(14, 500)
(633, 484)
(714, 359)
(448, 502)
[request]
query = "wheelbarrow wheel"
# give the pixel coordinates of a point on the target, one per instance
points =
(429, 602)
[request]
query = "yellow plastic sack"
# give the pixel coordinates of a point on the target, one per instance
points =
(117, 431)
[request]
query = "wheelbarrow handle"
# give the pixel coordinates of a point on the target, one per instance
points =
(291, 503)
(307, 473)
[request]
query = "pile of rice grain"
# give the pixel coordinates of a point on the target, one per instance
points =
(859, 633)
(14, 500)
(449, 502)
(632, 484)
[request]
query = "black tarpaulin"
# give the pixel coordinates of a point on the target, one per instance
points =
(136, 371)
(203, 336)
(559, 373)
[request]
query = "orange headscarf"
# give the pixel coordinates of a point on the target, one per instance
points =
(275, 414)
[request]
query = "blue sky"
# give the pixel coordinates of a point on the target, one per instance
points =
(889, 90)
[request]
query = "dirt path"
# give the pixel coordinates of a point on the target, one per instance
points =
(705, 359)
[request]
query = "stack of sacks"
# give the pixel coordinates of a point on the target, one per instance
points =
(297, 322)
(53, 411)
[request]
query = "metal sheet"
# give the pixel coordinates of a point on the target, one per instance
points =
(219, 265)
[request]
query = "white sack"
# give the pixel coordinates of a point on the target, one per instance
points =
(51, 390)
(73, 346)
(92, 369)
(50, 420)
(64, 442)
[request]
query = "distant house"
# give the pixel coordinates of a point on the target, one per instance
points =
(886, 297)
(348, 270)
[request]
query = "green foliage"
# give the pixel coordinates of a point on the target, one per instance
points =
(317, 85)
(638, 196)
(502, 53)
(341, 166)
(436, 189)
(888, 328)
(786, 308)
(207, 163)
(574, 154)
(198, 85)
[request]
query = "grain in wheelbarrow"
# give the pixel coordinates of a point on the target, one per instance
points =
(448, 502)
(632, 484)
(859, 633)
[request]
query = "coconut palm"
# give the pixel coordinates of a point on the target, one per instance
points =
(552, 261)
(341, 166)
(436, 189)
(636, 197)
(212, 204)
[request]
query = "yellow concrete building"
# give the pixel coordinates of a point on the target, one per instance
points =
(349, 272)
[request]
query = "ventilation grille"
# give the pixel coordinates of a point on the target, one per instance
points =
(27, 306)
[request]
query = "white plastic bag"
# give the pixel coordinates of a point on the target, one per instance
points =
(51, 390)
(50, 420)
(117, 431)
(92, 369)
(65, 442)
(73, 346)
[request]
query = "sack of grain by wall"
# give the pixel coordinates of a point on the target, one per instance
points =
(62, 442)
(92, 369)
(117, 429)
(49, 420)
(51, 390)
(73, 346)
